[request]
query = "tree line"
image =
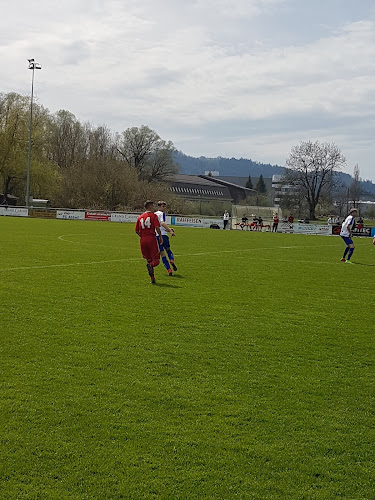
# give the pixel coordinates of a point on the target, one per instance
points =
(78, 165)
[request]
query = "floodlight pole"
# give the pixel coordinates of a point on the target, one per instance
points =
(33, 66)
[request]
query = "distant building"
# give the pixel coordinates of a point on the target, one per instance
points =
(237, 192)
(196, 188)
(212, 173)
(280, 189)
(8, 200)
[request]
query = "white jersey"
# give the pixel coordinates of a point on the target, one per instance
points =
(161, 217)
(346, 225)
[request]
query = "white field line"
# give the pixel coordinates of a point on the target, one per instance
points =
(198, 254)
(71, 264)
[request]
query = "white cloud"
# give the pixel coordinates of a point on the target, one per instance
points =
(232, 78)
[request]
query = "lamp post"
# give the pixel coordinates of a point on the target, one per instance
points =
(33, 66)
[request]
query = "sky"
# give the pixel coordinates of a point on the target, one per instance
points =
(231, 78)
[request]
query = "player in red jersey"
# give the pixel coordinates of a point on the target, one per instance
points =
(145, 227)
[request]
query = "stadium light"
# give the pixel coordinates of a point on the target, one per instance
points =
(33, 66)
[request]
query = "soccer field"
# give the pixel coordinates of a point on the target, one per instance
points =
(247, 374)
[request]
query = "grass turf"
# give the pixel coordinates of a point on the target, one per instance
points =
(248, 374)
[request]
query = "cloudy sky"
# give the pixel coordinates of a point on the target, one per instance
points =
(231, 78)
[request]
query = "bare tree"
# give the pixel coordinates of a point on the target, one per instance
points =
(311, 166)
(144, 150)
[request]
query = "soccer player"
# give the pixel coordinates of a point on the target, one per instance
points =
(346, 235)
(146, 225)
(165, 248)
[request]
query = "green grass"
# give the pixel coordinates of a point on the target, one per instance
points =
(248, 374)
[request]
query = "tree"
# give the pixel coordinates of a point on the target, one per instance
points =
(355, 187)
(144, 150)
(13, 140)
(14, 137)
(311, 166)
(68, 139)
(261, 186)
(249, 183)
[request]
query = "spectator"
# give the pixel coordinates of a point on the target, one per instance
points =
(275, 222)
(226, 218)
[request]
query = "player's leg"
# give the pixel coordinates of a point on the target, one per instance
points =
(171, 259)
(167, 248)
(345, 253)
(163, 256)
(350, 252)
(349, 245)
(150, 252)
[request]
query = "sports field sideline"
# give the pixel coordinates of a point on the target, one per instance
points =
(247, 374)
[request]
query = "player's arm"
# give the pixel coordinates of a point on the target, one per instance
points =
(167, 228)
(157, 229)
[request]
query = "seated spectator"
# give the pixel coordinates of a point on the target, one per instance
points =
(243, 221)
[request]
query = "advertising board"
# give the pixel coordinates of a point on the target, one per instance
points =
(299, 228)
(118, 217)
(14, 211)
(187, 221)
(364, 231)
(97, 216)
(70, 214)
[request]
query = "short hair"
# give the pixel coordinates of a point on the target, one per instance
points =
(148, 203)
(160, 203)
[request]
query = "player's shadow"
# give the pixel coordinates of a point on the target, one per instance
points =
(166, 285)
(363, 264)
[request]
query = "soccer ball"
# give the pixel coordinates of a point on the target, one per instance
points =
(373, 241)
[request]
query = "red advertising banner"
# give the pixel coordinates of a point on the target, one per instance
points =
(97, 216)
(364, 231)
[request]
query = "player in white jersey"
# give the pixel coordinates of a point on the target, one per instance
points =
(346, 235)
(165, 248)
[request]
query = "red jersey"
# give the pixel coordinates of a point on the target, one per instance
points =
(146, 224)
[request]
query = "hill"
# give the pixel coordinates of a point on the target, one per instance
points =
(226, 166)
(233, 167)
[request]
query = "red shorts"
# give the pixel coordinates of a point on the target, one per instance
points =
(150, 248)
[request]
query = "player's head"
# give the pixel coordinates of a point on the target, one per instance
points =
(353, 211)
(149, 205)
(162, 205)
